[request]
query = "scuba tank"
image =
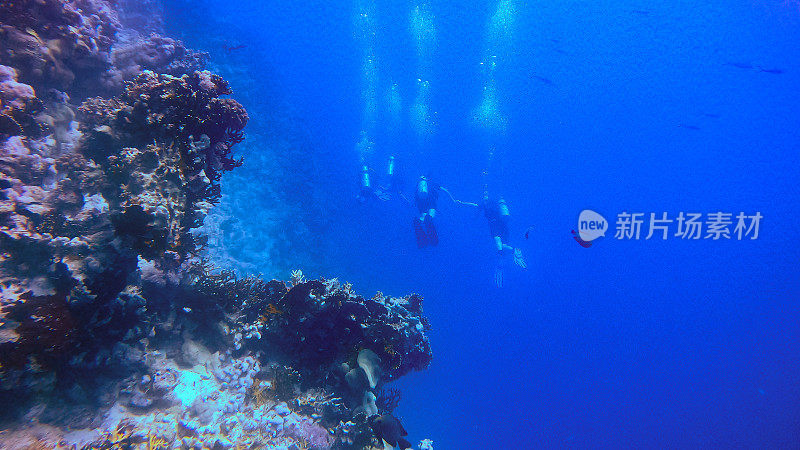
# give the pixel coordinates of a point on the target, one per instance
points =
(365, 183)
(390, 169)
(503, 208)
(422, 186)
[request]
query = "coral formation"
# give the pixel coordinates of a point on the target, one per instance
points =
(53, 42)
(165, 143)
(18, 106)
(114, 331)
(77, 224)
(190, 387)
(91, 211)
(135, 53)
(315, 323)
(82, 48)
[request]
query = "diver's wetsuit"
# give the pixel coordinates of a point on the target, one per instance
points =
(395, 181)
(425, 197)
(497, 214)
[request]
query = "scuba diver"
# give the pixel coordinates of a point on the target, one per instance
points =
(394, 182)
(425, 198)
(382, 193)
(497, 216)
(367, 191)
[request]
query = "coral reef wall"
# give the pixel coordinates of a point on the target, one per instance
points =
(115, 330)
(283, 177)
(81, 48)
(84, 215)
(285, 173)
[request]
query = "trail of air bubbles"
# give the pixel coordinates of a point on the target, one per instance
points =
(500, 30)
(423, 31)
(487, 115)
(365, 34)
(499, 36)
(394, 109)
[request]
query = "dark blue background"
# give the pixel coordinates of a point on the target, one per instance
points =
(625, 344)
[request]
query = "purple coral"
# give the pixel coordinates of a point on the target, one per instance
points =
(318, 326)
(55, 42)
(18, 106)
(311, 434)
(13, 94)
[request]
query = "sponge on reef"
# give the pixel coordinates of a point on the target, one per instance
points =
(371, 364)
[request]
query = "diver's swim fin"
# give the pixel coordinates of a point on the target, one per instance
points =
(430, 230)
(422, 239)
(498, 277)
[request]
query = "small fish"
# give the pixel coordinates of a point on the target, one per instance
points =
(230, 48)
(689, 127)
(711, 115)
(641, 12)
(544, 80)
(772, 71)
(387, 428)
(528, 232)
(187, 309)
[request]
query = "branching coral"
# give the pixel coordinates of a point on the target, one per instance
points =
(322, 323)
(388, 399)
(297, 277)
(164, 143)
(18, 107)
(246, 295)
(176, 111)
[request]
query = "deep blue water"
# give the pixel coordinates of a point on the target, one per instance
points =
(611, 106)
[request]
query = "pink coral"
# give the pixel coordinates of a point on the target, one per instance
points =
(13, 93)
(311, 433)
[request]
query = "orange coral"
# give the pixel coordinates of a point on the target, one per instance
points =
(154, 443)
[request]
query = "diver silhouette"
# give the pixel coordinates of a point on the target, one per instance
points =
(498, 215)
(425, 198)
